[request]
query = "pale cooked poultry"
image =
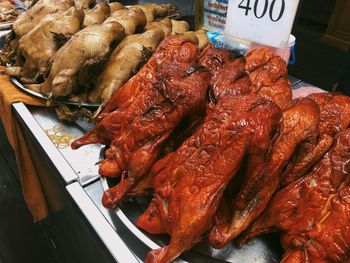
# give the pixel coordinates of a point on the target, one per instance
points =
(154, 11)
(115, 6)
(279, 92)
(33, 59)
(165, 24)
(299, 126)
(334, 117)
(193, 179)
(257, 58)
(84, 4)
(201, 34)
(129, 56)
(231, 78)
(214, 58)
(75, 61)
(269, 73)
(8, 12)
(335, 112)
(313, 212)
(96, 15)
(28, 20)
(132, 19)
(179, 27)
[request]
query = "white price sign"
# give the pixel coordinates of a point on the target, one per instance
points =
(267, 22)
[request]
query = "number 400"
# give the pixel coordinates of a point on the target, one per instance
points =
(266, 6)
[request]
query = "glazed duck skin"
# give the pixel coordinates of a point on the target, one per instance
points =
(314, 210)
(145, 125)
(194, 177)
(334, 117)
(300, 124)
(178, 49)
(138, 129)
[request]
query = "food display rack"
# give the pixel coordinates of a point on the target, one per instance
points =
(74, 190)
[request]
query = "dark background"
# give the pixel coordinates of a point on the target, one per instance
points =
(316, 62)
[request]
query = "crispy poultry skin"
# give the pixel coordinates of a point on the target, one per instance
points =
(335, 112)
(231, 79)
(257, 58)
(259, 73)
(34, 60)
(177, 48)
(124, 62)
(73, 61)
(313, 212)
(279, 92)
(7, 11)
(96, 15)
(115, 6)
(214, 58)
(132, 19)
(299, 125)
(154, 11)
(149, 121)
(28, 20)
(165, 24)
(334, 117)
(193, 178)
(142, 99)
(268, 73)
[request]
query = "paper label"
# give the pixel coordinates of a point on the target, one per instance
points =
(215, 15)
(267, 22)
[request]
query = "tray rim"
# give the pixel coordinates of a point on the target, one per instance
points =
(6, 25)
(22, 87)
(130, 225)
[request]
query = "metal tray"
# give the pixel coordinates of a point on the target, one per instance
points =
(264, 249)
(19, 85)
(6, 25)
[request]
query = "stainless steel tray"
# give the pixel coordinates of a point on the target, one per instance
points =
(265, 249)
(6, 25)
(19, 85)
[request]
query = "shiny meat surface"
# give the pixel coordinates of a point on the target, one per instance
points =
(300, 124)
(96, 15)
(34, 60)
(148, 122)
(194, 177)
(175, 87)
(313, 212)
(130, 55)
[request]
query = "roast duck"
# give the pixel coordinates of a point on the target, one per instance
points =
(248, 159)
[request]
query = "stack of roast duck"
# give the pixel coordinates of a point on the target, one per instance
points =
(226, 153)
(84, 51)
(214, 137)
